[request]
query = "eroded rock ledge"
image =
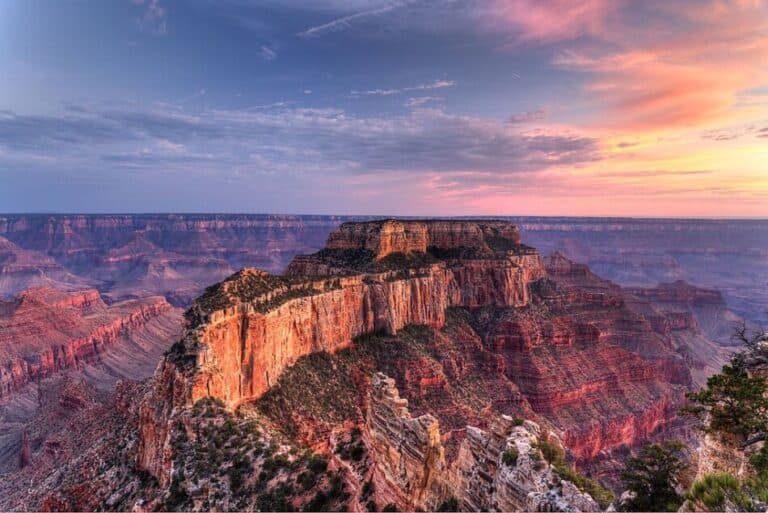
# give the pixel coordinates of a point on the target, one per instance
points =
(499, 469)
(243, 332)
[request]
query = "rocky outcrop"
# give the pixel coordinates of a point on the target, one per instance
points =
(44, 331)
(554, 338)
(266, 323)
(496, 470)
(247, 330)
(408, 452)
(398, 236)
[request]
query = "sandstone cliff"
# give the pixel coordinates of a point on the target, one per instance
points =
(44, 331)
(552, 339)
(496, 470)
(247, 330)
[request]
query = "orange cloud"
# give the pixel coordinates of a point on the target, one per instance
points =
(684, 66)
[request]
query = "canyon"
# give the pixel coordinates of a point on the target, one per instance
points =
(49, 338)
(549, 341)
(493, 347)
(130, 256)
(178, 255)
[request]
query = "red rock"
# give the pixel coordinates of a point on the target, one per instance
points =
(43, 331)
(555, 340)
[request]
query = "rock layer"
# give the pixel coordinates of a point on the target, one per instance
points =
(44, 331)
(411, 471)
(557, 339)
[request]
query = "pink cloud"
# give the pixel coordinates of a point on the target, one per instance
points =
(557, 20)
(684, 66)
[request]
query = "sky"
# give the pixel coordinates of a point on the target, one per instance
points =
(385, 107)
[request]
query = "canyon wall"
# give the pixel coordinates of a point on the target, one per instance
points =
(248, 329)
(178, 255)
(130, 256)
(499, 469)
(401, 236)
(44, 331)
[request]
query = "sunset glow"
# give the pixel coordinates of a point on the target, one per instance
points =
(433, 107)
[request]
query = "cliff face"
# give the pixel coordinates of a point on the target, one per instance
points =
(247, 330)
(550, 338)
(393, 236)
(44, 331)
(411, 471)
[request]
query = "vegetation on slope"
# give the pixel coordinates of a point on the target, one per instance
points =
(225, 461)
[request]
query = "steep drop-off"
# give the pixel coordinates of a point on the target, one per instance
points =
(44, 331)
(549, 340)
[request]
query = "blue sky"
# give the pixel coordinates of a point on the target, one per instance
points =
(383, 107)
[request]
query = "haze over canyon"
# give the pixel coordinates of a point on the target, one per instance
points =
(465, 319)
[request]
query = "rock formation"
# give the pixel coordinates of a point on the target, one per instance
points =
(411, 471)
(245, 331)
(560, 335)
(408, 453)
(44, 331)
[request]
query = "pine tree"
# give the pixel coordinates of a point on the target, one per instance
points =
(733, 402)
(652, 476)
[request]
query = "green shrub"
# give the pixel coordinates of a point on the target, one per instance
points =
(390, 507)
(509, 457)
(602, 496)
(714, 489)
(318, 502)
(307, 479)
(759, 460)
(357, 452)
(317, 464)
(550, 451)
(517, 421)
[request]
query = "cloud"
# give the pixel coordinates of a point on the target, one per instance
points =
(528, 117)
(684, 66)
(437, 84)
(153, 18)
(266, 53)
(345, 22)
(535, 21)
(418, 101)
(163, 138)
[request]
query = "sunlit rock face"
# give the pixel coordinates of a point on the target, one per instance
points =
(245, 331)
(395, 236)
(44, 331)
(558, 340)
